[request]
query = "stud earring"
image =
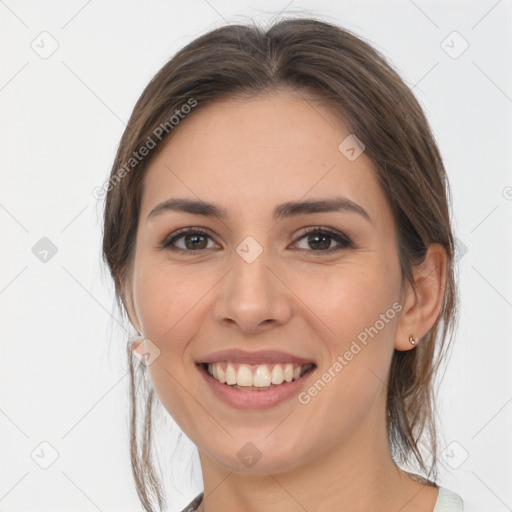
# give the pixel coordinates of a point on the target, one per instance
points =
(412, 341)
(134, 339)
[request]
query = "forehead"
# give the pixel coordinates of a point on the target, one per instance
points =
(269, 149)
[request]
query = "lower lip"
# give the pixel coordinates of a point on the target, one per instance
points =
(255, 399)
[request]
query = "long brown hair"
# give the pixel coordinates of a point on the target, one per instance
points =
(377, 106)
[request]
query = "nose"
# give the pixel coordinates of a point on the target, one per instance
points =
(253, 296)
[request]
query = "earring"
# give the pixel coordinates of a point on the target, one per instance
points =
(412, 341)
(134, 338)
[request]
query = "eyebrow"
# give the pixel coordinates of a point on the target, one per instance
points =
(289, 209)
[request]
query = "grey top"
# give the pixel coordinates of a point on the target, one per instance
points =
(447, 501)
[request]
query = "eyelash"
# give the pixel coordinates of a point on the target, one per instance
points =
(344, 241)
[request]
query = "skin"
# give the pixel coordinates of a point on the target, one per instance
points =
(248, 156)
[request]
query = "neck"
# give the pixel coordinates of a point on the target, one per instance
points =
(357, 475)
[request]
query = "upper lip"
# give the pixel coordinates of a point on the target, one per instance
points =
(260, 357)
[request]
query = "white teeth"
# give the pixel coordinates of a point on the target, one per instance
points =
(277, 374)
(230, 375)
(221, 374)
(262, 376)
(258, 376)
(244, 376)
(288, 372)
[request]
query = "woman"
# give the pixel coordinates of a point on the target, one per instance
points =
(277, 228)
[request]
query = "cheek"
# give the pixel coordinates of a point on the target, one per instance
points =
(361, 320)
(353, 305)
(166, 302)
(357, 311)
(168, 307)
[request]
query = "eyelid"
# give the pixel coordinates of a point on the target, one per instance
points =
(343, 241)
(180, 233)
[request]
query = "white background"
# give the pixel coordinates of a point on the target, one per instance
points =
(63, 377)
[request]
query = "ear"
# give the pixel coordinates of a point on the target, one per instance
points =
(127, 294)
(424, 300)
(138, 344)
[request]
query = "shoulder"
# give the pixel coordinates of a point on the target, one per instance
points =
(192, 506)
(448, 501)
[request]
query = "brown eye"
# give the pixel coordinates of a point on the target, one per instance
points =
(320, 240)
(195, 241)
(188, 240)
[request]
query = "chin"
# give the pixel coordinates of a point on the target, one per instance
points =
(256, 458)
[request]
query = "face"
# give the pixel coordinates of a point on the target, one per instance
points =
(321, 285)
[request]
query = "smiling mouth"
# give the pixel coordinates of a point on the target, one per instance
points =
(262, 377)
